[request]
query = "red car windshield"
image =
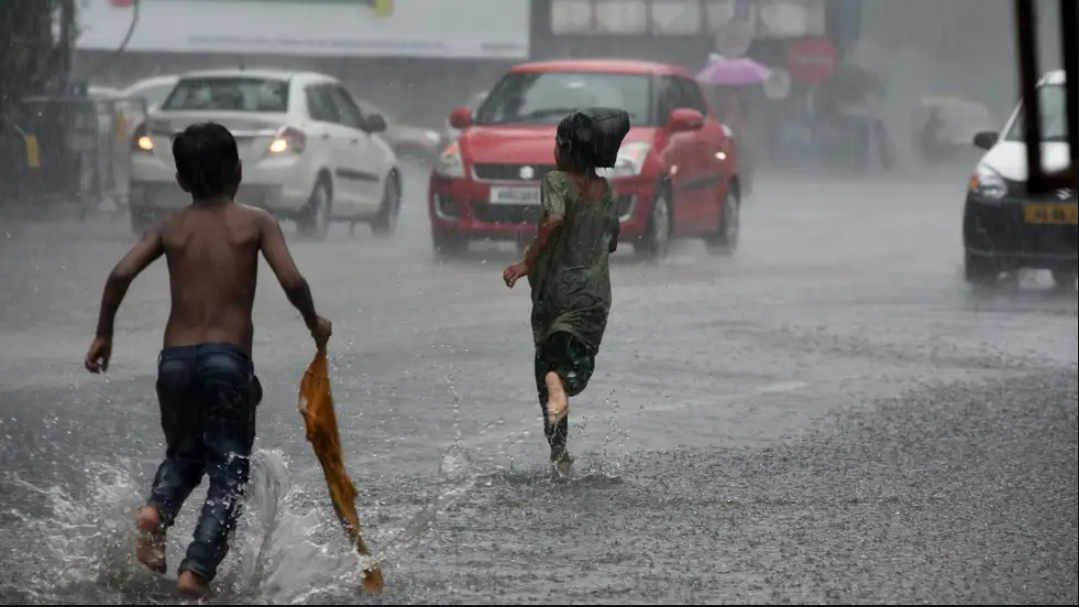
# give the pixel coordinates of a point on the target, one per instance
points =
(547, 97)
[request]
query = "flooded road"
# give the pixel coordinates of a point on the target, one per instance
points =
(831, 416)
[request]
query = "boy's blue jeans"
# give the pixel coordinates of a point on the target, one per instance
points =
(208, 395)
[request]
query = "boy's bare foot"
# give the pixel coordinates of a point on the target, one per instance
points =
(557, 400)
(150, 544)
(192, 586)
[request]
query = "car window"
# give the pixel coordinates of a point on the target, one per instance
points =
(670, 97)
(1051, 102)
(155, 94)
(351, 116)
(547, 97)
(321, 105)
(679, 93)
(691, 94)
(229, 94)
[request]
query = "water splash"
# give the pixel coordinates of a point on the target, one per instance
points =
(284, 552)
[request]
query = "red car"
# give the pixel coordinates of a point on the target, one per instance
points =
(676, 176)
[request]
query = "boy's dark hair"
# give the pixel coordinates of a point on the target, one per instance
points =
(207, 160)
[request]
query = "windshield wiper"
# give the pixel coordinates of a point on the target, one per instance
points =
(537, 115)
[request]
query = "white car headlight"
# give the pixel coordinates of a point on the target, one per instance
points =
(988, 183)
(450, 163)
(630, 161)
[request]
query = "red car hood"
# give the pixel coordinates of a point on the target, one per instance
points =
(522, 144)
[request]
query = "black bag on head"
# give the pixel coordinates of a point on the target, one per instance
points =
(595, 134)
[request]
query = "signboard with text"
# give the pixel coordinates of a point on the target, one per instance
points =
(763, 19)
(495, 29)
(812, 61)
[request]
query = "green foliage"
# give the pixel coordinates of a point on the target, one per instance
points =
(30, 54)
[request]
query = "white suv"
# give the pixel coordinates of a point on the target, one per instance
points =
(309, 154)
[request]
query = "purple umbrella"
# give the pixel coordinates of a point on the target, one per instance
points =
(734, 72)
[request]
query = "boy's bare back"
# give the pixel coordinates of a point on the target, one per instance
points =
(212, 250)
(212, 254)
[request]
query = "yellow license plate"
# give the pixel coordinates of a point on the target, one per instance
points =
(1051, 214)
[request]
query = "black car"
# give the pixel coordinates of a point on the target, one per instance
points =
(1006, 229)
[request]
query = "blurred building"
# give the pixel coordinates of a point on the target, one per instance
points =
(423, 57)
(419, 57)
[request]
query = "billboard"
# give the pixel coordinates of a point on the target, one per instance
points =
(763, 18)
(474, 29)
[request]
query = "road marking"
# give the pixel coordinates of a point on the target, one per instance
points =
(782, 387)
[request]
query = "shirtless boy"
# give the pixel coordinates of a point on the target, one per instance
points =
(206, 383)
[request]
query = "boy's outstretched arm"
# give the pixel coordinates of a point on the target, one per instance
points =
(275, 251)
(145, 252)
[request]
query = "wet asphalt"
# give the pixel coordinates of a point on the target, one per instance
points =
(830, 416)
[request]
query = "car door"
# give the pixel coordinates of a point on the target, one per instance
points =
(366, 170)
(332, 142)
(708, 158)
(683, 157)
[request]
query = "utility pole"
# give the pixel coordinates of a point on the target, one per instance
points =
(67, 39)
(540, 36)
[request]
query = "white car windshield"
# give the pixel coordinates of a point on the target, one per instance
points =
(547, 97)
(1054, 119)
(229, 94)
(154, 94)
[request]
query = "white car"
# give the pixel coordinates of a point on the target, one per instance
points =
(1005, 227)
(152, 91)
(309, 154)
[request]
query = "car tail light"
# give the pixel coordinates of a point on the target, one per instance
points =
(287, 140)
(141, 142)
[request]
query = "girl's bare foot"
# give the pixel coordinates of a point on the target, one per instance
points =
(557, 400)
(150, 545)
(191, 585)
(561, 462)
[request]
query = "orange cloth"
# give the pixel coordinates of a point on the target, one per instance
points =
(316, 407)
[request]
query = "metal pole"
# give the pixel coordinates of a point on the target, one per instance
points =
(1025, 18)
(1069, 46)
(541, 38)
(67, 36)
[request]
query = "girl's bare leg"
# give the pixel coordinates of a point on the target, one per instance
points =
(557, 400)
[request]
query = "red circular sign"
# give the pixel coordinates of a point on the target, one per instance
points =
(812, 61)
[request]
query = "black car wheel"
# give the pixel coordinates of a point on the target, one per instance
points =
(314, 220)
(982, 271)
(724, 241)
(386, 222)
(656, 243)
